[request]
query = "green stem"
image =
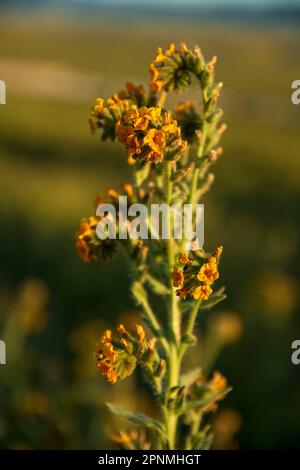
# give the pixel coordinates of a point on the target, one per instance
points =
(154, 322)
(173, 326)
(189, 328)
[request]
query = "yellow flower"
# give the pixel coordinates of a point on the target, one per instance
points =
(140, 333)
(141, 124)
(128, 189)
(117, 357)
(133, 145)
(150, 134)
(182, 293)
(202, 292)
(123, 132)
(218, 383)
(229, 327)
(107, 337)
(184, 259)
(156, 84)
(152, 113)
(218, 252)
(89, 246)
(121, 329)
(99, 105)
(209, 272)
(183, 48)
(156, 140)
(184, 106)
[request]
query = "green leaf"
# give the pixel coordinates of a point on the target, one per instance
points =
(190, 377)
(142, 174)
(203, 402)
(214, 299)
(136, 418)
(158, 287)
(203, 441)
(139, 293)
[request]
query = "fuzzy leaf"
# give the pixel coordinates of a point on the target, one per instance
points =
(203, 402)
(139, 293)
(158, 287)
(136, 418)
(203, 441)
(142, 174)
(214, 299)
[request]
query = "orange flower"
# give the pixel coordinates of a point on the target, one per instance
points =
(156, 140)
(155, 84)
(106, 337)
(202, 292)
(133, 145)
(118, 357)
(123, 132)
(184, 259)
(178, 277)
(209, 272)
(218, 382)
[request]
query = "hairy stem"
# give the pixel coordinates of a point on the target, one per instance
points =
(173, 325)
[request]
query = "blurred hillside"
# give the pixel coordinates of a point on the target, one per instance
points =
(51, 168)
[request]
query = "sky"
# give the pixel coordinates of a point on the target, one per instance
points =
(255, 3)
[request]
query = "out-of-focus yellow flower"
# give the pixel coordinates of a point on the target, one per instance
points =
(276, 293)
(35, 403)
(226, 424)
(218, 383)
(30, 307)
(132, 440)
(228, 326)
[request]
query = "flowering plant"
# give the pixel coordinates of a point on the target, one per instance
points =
(171, 153)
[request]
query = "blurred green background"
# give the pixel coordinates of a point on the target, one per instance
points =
(53, 307)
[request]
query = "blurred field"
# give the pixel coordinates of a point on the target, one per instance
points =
(51, 168)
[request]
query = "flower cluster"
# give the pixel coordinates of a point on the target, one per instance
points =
(173, 152)
(117, 357)
(105, 115)
(89, 246)
(196, 275)
(171, 70)
(150, 134)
